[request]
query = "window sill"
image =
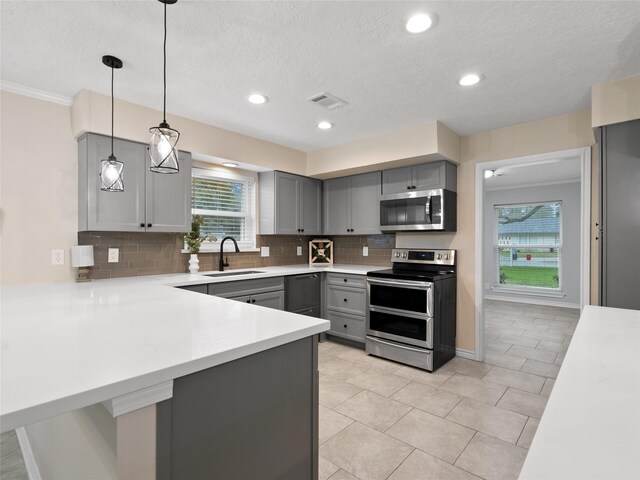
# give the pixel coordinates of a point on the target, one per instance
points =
(216, 249)
(534, 292)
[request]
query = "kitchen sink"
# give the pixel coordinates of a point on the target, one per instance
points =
(230, 274)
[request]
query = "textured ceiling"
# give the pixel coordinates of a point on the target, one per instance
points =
(539, 58)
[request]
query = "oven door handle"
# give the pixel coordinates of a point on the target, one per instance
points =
(401, 283)
(398, 345)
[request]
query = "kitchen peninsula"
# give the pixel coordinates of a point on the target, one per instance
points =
(215, 376)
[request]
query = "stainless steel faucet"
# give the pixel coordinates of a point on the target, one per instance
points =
(222, 263)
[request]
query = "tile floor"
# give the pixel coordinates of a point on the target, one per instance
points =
(469, 420)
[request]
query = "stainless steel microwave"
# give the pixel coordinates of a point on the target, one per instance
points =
(427, 210)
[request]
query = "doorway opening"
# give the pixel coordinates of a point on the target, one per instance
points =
(532, 233)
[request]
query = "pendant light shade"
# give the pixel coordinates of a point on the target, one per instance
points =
(162, 147)
(111, 169)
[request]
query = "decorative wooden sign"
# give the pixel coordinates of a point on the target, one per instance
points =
(320, 252)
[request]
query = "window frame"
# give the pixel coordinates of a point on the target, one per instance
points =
(249, 215)
(528, 289)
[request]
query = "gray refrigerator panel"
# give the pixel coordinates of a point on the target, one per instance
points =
(620, 248)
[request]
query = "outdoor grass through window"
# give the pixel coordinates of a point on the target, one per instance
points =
(528, 245)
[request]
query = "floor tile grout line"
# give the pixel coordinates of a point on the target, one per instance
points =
(400, 464)
(465, 447)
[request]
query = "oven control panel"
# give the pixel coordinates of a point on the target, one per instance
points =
(433, 257)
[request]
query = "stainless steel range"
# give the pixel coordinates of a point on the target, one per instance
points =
(411, 309)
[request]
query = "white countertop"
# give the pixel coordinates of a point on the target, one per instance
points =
(67, 346)
(591, 425)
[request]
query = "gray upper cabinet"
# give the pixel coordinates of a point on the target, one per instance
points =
(427, 176)
(351, 205)
(289, 204)
(150, 202)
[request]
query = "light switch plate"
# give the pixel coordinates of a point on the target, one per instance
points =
(57, 256)
(365, 251)
(299, 251)
(264, 251)
(114, 255)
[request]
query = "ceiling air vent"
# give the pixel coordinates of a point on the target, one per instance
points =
(327, 100)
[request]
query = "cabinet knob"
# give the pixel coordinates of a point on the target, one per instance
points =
(302, 230)
(142, 225)
(408, 187)
(345, 325)
(149, 225)
(253, 301)
(248, 301)
(345, 280)
(345, 299)
(413, 187)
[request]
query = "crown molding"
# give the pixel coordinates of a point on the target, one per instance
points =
(35, 93)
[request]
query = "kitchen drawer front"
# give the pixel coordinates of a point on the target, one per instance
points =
(347, 326)
(347, 280)
(246, 287)
(347, 300)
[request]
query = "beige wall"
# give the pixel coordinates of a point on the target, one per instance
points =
(38, 189)
(92, 113)
(615, 102)
(421, 143)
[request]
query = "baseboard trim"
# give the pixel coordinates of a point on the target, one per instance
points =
(27, 454)
(461, 352)
(534, 301)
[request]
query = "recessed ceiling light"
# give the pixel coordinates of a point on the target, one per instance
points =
(470, 79)
(325, 125)
(257, 99)
(230, 164)
(418, 23)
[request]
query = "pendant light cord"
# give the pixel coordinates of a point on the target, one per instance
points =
(164, 50)
(112, 110)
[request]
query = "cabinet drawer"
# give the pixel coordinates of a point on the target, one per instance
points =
(348, 326)
(347, 280)
(246, 287)
(346, 300)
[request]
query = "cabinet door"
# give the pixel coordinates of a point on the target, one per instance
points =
(365, 203)
(396, 180)
(428, 176)
(336, 199)
(287, 205)
(112, 211)
(168, 197)
(310, 220)
(269, 300)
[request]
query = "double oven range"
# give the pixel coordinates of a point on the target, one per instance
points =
(411, 309)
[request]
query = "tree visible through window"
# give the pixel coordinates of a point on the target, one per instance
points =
(528, 245)
(226, 205)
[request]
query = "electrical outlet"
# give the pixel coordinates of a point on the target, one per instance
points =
(114, 255)
(365, 251)
(264, 251)
(57, 256)
(299, 251)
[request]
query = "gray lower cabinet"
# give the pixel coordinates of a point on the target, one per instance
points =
(270, 300)
(266, 292)
(289, 204)
(351, 205)
(150, 201)
(346, 305)
(427, 176)
(251, 418)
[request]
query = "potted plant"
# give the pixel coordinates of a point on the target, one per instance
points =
(194, 239)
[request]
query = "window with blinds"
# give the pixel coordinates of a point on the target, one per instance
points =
(227, 205)
(528, 246)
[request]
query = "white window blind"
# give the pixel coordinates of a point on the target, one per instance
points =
(227, 205)
(528, 246)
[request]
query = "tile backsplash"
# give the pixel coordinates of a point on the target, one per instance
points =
(161, 253)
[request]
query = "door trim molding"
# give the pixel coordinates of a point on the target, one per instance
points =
(29, 458)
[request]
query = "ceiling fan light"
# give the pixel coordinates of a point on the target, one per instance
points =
(162, 149)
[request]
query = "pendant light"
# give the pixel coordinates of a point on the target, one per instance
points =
(111, 169)
(162, 147)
